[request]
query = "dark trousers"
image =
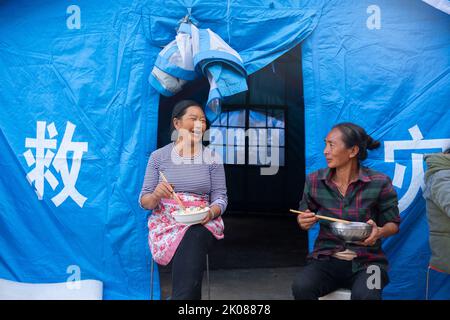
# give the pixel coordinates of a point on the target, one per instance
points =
(189, 262)
(321, 277)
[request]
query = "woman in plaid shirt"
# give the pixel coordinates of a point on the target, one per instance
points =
(347, 190)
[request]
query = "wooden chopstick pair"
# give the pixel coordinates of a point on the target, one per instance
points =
(322, 217)
(173, 192)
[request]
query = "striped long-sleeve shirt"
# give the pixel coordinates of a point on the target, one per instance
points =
(202, 174)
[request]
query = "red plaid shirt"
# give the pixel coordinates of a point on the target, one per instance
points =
(371, 196)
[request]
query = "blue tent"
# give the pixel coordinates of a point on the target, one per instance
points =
(73, 85)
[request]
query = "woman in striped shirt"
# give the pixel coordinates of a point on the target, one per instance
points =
(197, 176)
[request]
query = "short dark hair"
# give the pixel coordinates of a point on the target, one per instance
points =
(179, 110)
(354, 135)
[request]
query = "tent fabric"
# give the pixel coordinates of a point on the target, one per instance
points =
(438, 285)
(386, 68)
(74, 87)
(443, 5)
(199, 51)
(74, 290)
(74, 78)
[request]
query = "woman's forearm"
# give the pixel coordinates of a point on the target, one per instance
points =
(389, 229)
(149, 201)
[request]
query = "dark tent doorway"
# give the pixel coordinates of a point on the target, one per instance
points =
(259, 230)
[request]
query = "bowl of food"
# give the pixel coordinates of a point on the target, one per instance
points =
(192, 215)
(353, 231)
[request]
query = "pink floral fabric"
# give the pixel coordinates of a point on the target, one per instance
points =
(165, 234)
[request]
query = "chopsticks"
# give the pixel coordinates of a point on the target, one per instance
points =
(323, 217)
(173, 192)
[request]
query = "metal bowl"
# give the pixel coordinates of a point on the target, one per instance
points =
(353, 231)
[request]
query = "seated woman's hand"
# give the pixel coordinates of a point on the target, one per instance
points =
(163, 190)
(374, 235)
(306, 219)
(213, 213)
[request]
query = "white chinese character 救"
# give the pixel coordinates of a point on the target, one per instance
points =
(44, 158)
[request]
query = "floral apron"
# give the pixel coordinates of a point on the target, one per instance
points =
(165, 234)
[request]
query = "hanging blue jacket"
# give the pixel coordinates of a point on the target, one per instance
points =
(199, 52)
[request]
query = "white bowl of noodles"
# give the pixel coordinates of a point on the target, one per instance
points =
(192, 215)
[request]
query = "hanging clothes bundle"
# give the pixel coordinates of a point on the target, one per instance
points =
(194, 53)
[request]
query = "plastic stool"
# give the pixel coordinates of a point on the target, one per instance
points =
(339, 294)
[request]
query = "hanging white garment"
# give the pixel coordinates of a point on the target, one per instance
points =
(199, 52)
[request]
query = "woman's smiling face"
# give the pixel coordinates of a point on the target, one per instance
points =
(191, 125)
